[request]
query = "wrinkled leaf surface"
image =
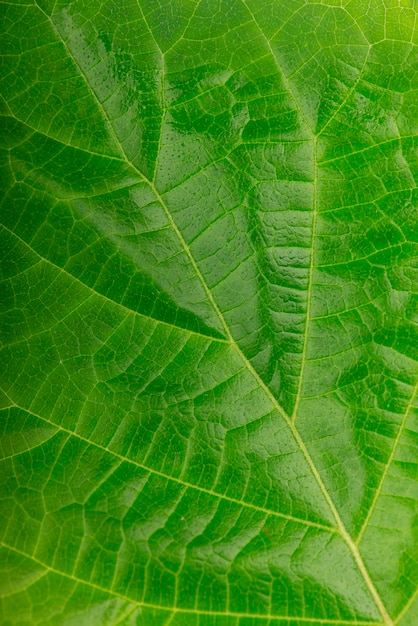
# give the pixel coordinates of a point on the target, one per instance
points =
(209, 313)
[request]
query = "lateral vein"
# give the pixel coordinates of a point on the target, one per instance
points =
(180, 481)
(341, 527)
(181, 610)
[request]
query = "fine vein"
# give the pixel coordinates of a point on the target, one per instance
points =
(175, 479)
(181, 610)
(350, 543)
(388, 465)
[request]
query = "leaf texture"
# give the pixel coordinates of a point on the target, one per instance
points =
(209, 313)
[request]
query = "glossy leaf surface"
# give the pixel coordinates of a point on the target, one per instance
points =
(209, 313)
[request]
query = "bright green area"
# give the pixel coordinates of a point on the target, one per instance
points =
(209, 313)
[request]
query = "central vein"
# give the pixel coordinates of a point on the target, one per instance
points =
(339, 523)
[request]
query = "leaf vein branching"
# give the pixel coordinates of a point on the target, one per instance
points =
(298, 439)
(34, 581)
(282, 74)
(30, 448)
(340, 524)
(186, 611)
(387, 465)
(368, 202)
(113, 302)
(179, 481)
(163, 104)
(406, 607)
(72, 146)
(369, 257)
(145, 179)
(125, 615)
(349, 93)
(148, 28)
(375, 146)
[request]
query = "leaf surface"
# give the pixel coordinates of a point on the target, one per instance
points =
(209, 313)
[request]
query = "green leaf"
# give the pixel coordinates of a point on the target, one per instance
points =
(209, 313)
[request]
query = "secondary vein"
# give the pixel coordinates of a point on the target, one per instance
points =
(388, 465)
(350, 543)
(175, 479)
(181, 610)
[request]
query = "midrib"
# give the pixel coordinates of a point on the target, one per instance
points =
(339, 523)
